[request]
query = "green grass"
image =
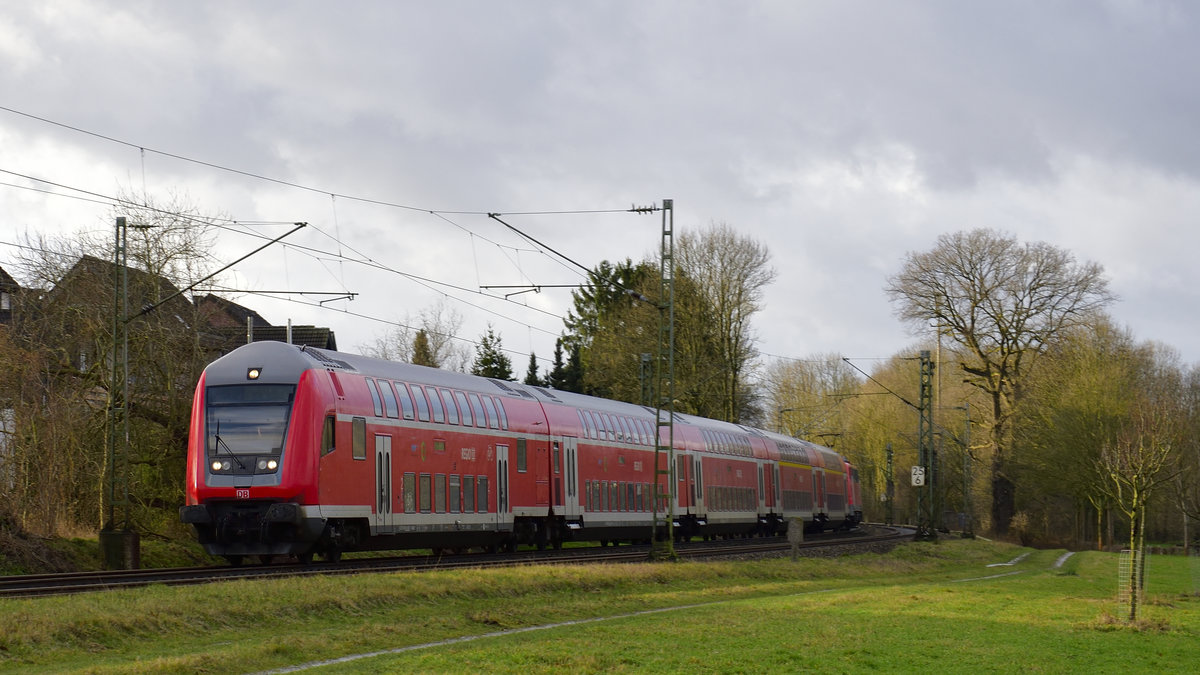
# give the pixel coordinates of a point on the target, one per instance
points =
(899, 612)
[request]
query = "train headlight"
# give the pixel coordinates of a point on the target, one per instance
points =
(216, 466)
(253, 373)
(267, 464)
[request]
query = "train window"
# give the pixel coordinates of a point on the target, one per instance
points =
(455, 493)
(468, 492)
(451, 409)
(375, 397)
(557, 458)
(435, 405)
(410, 493)
(481, 494)
(327, 436)
(418, 393)
(503, 415)
(614, 496)
(623, 434)
(359, 437)
(492, 416)
(583, 424)
(389, 398)
(648, 429)
(603, 495)
(599, 424)
(464, 408)
(426, 491)
(476, 407)
(439, 493)
(406, 404)
(522, 458)
(630, 497)
(439, 445)
(606, 428)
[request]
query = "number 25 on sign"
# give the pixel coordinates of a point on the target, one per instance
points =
(918, 476)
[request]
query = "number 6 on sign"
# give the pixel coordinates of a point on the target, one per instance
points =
(918, 476)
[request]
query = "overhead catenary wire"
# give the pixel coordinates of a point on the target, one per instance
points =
(278, 181)
(442, 214)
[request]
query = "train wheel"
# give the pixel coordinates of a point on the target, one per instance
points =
(234, 560)
(305, 558)
(333, 555)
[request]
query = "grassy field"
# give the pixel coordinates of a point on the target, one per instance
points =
(923, 607)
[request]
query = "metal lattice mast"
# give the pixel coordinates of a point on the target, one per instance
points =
(117, 488)
(663, 542)
(925, 495)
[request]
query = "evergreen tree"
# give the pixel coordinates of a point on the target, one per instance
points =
(573, 373)
(490, 359)
(555, 379)
(422, 351)
(531, 375)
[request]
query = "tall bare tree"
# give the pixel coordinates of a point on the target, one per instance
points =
(731, 272)
(1002, 302)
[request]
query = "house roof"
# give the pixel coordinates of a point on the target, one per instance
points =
(6, 281)
(222, 313)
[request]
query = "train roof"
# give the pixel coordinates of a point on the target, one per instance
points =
(280, 359)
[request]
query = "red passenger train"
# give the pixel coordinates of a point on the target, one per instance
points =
(297, 451)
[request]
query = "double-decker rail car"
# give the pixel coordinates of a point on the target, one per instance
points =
(300, 452)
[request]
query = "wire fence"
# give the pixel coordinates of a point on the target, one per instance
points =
(1131, 575)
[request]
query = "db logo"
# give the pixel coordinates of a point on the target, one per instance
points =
(243, 494)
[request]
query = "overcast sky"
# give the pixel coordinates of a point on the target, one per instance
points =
(841, 135)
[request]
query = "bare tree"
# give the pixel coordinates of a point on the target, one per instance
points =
(1002, 302)
(806, 395)
(428, 340)
(731, 272)
(63, 328)
(1141, 458)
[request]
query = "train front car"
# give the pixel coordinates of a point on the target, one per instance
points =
(253, 452)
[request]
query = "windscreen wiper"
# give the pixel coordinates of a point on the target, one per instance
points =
(223, 444)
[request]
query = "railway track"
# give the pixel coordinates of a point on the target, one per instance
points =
(40, 585)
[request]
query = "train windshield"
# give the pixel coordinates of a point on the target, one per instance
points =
(248, 419)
